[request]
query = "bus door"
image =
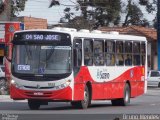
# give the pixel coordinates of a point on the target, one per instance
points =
(78, 73)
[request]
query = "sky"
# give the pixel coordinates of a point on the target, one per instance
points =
(39, 9)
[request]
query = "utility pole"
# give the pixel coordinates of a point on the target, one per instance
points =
(158, 32)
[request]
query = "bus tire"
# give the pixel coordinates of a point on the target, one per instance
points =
(126, 98)
(34, 104)
(83, 103)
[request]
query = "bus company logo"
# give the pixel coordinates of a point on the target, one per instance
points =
(38, 86)
(102, 74)
(11, 28)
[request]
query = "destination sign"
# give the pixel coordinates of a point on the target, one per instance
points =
(42, 37)
(39, 37)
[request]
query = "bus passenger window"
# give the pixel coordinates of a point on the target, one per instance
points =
(128, 47)
(119, 46)
(88, 49)
(128, 53)
(136, 59)
(98, 52)
(136, 47)
(110, 53)
(120, 52)
(143, 53)
(136, 53)
(119, 59)
(128, 60)
(110, 59)
(143, 57)
(110, 46)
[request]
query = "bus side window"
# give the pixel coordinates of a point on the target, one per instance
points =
(128, 53)
(99, 52)
(110, 53)
(88, 51)
(120, 52)
(136, 53)
(143, 53)
(77, 52)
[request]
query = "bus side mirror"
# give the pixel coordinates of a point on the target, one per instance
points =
(6, 53)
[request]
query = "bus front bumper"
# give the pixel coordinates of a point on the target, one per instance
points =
(19, 94)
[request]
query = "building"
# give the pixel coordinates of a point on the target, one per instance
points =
(149, 33)
(32, 22)
(29, 23)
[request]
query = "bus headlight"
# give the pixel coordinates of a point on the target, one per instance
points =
(16, 84)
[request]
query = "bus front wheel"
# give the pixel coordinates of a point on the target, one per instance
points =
(34, 104)
(83, 103)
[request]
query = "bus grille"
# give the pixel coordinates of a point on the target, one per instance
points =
(32, 87)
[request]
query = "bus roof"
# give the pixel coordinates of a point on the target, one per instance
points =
(91, 34)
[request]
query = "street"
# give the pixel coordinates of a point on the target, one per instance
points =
(148, 103)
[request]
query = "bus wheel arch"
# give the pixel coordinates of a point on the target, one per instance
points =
(89, 85)
(126, 95)
(125, 100)
(128, 82)
(86, 102)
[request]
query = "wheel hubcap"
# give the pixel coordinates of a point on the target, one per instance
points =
(127, 96)
(85, 97)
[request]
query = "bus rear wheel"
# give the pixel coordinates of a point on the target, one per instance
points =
(126, 98)
(34, 104)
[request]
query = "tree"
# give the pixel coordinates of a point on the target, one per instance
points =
(103, 12)
(17, 6)
(2, 5)
(111, 12)
(134, 15)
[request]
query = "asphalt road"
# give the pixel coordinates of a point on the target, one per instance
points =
(148, 103)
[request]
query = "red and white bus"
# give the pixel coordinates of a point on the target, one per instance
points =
(64, 64)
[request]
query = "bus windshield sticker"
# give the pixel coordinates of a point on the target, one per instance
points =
(24, 67)
(41, 70)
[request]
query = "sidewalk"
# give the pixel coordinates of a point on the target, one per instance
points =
(6, 98)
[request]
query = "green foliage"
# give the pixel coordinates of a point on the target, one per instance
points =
(98, 13)
(134, 15)
(17, 6)
(2, 5)
(103, 12)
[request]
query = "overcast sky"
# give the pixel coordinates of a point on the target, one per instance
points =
(39, 9)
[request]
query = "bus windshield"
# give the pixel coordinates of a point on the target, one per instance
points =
(41, 59)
